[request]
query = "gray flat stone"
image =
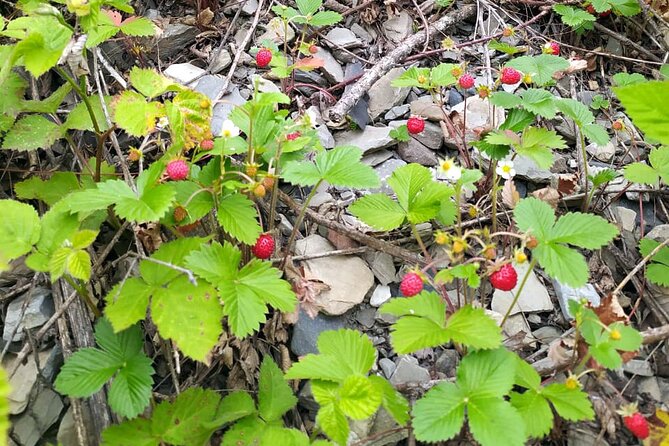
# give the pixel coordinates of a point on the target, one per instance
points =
(424, 106)
(183, 73)
(43, 413)
(638, 367)
(368, 140)
(398, 27)
(39, 309)
(382, 266)
(383, 96)
(306, 331)
(387, 366)
(413, 151)
(176, 37)
(659, 233)
(566, 293)
(397, 112)
(408, 371)
(331, 69)
(447, 362)
(365, 317)
(222, 110)
(377, 157)
(342, 37)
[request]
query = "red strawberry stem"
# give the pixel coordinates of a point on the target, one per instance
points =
(520, 290)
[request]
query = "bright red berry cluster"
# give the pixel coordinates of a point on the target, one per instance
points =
(415, 125)
(505, 278)
(264, 247)
(466, 81)
(207, 144)
(638, 425)
(177, 170)
(293, 136)
(411, 285)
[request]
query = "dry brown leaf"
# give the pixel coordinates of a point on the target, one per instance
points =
(559, 351)
(548, 194)
(576, 65)
(306, 288)
(510, 195)
(659, 429)
(567, 183)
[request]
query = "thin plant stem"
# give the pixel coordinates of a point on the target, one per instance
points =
(81, 291)
(299, 219)
(520, 290)
(584, 154)
(495, 180)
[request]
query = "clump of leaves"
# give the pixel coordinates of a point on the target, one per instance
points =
(657, 270)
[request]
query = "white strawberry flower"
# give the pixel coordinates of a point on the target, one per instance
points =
(229, 129)
(449, 170)
(505, 169)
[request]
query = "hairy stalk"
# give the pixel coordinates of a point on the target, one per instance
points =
(81, 291)
(520, 290)
(584, 154)
(298, 221)
(495, 180)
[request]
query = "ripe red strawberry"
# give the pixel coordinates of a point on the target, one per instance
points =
(207, 144)
(591, 9)
(552, 48)
(411, 285)
(415, 125)
(505, 278)
(510, 76)
(466, 81)
(292, 136)
(313, 49)
(177, 170)
(263, 57)
(637, 424)
(264, 247)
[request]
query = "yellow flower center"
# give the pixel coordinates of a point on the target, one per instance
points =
(227, 133)
(446, 166)
(506, 169)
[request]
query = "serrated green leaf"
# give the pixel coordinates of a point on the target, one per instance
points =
(130, 392)
(627, 79)
(238, 217)
(541, 68)
(275, 397)
(135, 432)
(644, 104)
(442, 75)
(537, 144)
(472, 327)
(13, 86)
(659, 159)
(150, 83)
(39, 53)
(31, 132)
(138, 26)
(658, 274)
(487, 374)
(526, 375)
(80, 119)
(85, 372)
(325, 18)
(393, 401)
(535, 412)
(428, 305)
(410, 78)
(174, 253)
(493, 421)
(189, 315)
(79, 265)
(378, 211)
(50, 191)
(540, 102)
(317, 367)
(630, 339)
(351, 347)
(570, 404)
(603, 177)
(358, 397)
(333, 422)
(439, 414)
(516, 120)
(575, 17)
(308, 7)
(246, 432)
(576, 111)
(340, 166)
(505, 99)
(534, 216)
(150, 206)
(50, 104)
(563, 263)
(127, 303)
(642, 173)
(505, 47)
(583, 230)
(19, 229)
(136, 116)
(410, 334)
(595, 133)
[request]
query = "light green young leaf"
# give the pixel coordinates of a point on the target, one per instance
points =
(150, 83)
(439, 414)
(31, 132)
(575, 17)
(325, 18)
(535, 412)
(428, 305)
(505, 100)
(238, 217)
(570, 404)
(308, 7)
(642, 173)
(138, 27)
(136, 116)
(472, 327)
(333, 422)
(19, 229)
(340, 166)
(358, 397)
(576, 111)
(487, 374)
(275, 397)
(541, 68)
(442, 75)
(645, 105)
(79, 265)
(127, 302)
(657, 270)
(247, 431)
(584, 230)
(49, 191)
(393, 401)
(534, 216)
(351, 347)
(410, 78)
(379, 211)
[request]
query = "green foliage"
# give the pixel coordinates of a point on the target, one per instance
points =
(553, 253)
(5, 391)
(653, 173)
(430, 79)
(73, 257)
(535, 142)
(423, 323)
(120, 358)
(584, 119)
(245, 292)
(307, 14)
(484, 378)
(602, 177)
(604, 342)
(341, 386)
(188, 421)
(419, 199)
(577, 18)
(625, 8)
(340, 166)
(600, 103)
(541, 68)
(645, 104)
(657, 270)
(19, 229)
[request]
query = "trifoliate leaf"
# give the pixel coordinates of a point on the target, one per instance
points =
(487, 373)
(171, 253)
(442, 75)
(563, 263)
(439, 414)
(570, 404)
(127, 302)
(410, 334)
(130, 391)
(85, 372)
(583, 230)
(332, 420)
(275, 397)
(325, 18)
(534, 216)
(49, 191)
(577, 18)
(412, 77)
(576, 111)
(539, 102)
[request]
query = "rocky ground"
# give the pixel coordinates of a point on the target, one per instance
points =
(206, 47)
